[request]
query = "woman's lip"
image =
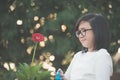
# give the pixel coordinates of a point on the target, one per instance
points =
(82, 40)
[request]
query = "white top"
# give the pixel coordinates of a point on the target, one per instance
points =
(90, 66)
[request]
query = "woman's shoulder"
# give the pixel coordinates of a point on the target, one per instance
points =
(103, 53)
(79, 53)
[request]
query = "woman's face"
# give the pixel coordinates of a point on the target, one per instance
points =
(87, 36)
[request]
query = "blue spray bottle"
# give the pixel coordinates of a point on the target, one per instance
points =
(58, 76)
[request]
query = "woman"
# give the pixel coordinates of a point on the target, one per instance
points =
(94, 62)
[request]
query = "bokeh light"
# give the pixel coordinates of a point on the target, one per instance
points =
(52, 58)
(36, 18)
(29, 49)
(42, 44)
(19, 22)
(64, 28)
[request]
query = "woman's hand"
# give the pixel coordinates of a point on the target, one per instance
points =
(62, 74)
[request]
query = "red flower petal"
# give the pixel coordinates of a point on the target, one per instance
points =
(37, 37)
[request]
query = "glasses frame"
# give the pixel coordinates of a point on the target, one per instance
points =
(82, 32)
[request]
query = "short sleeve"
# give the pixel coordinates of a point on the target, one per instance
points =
(103, 67)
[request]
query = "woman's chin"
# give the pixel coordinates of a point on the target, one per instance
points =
(85, 46)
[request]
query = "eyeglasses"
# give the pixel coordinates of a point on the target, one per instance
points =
(82, 32)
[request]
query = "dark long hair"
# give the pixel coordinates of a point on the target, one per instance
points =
(100, 29)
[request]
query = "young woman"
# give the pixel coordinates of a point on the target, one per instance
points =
(94, 62)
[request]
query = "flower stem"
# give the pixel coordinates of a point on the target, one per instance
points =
(33, 57)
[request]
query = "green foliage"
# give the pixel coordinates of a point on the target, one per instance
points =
(27, 72)
(7, 75)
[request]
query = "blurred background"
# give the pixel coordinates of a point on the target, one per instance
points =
(55, 19)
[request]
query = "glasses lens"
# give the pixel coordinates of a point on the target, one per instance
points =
(82, 33)
(77, 33)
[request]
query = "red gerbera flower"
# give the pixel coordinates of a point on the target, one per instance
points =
(37, 37)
